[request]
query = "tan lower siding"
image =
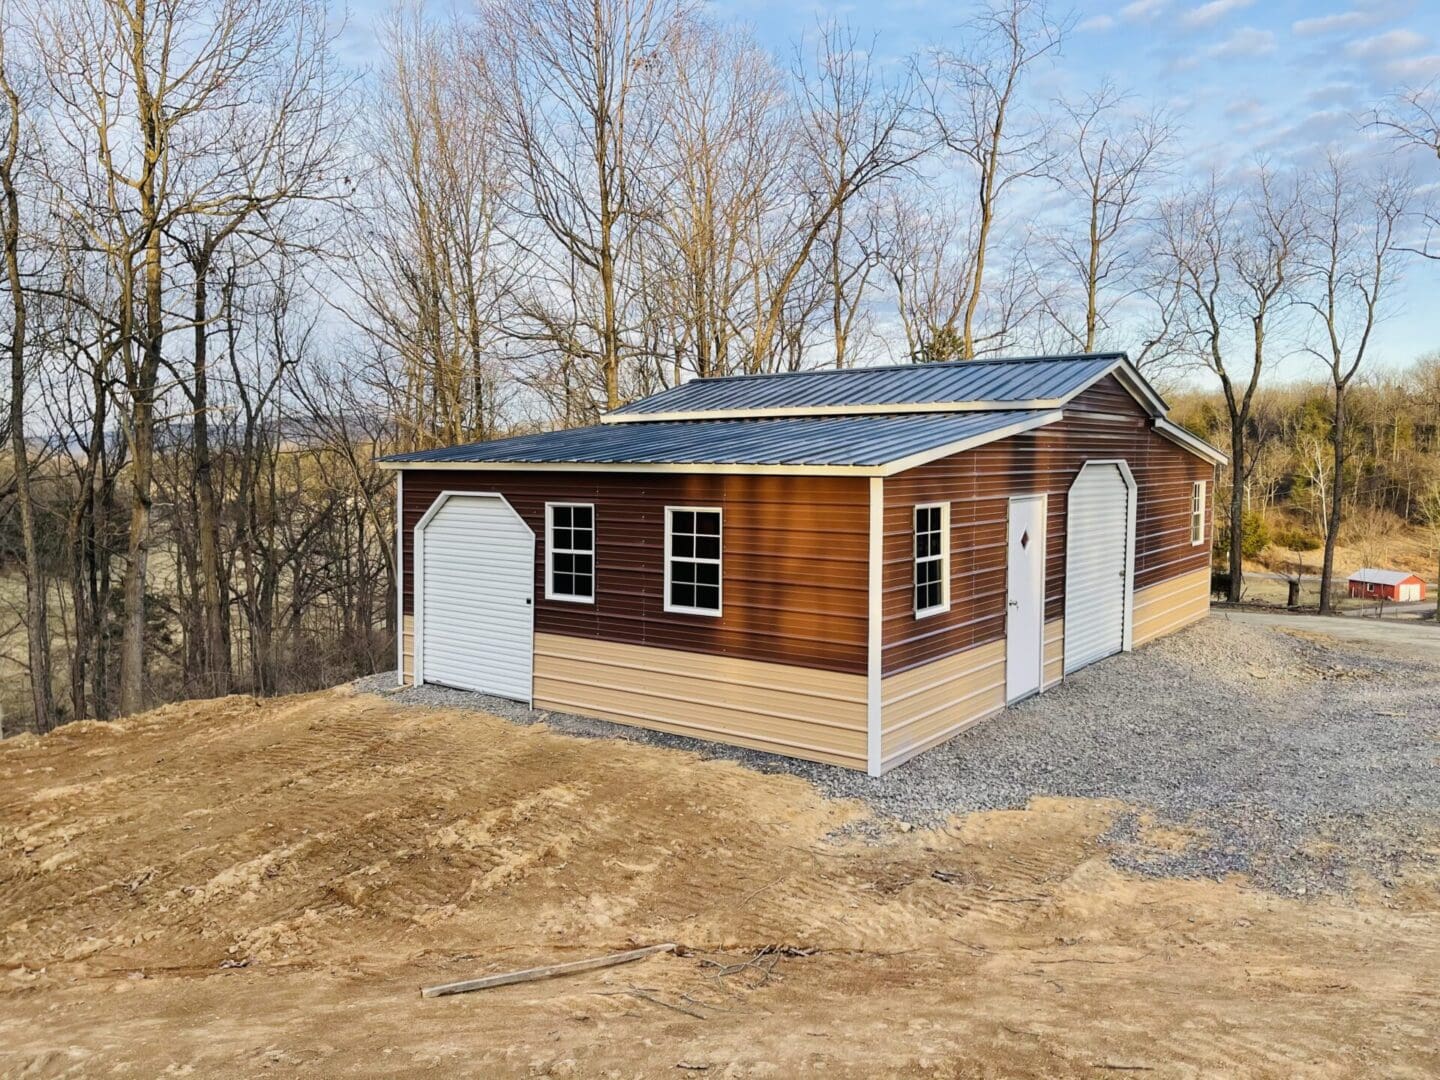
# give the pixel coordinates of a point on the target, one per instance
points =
(801, 712)
(408, 649)
(1054, 653)
(928, 704)
(1169, 605)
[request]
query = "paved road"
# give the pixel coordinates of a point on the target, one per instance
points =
(1418, 640)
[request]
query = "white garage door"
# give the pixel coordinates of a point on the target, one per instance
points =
(475, 583)
(1097, 558)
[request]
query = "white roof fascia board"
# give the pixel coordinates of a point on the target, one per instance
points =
(640, 467)
(924, 457)
(1196, 445)
(1133, 382)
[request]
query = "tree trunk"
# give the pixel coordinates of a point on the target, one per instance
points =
(1332, 527)
(1237, 510)
(132, 631)
(37, 622)
(215, 638)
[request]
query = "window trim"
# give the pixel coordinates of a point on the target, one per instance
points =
(1197, 514)
(677, 609)
(550, 551)
(943, 558)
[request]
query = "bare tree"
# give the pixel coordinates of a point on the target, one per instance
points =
(168, 111)
(1109, 162)
(1232, 259)
(1412, 119)
(1429, 505)
(15, 157)
(856, 133)
(978, 105)
(717, 178)
(568, 81)
(433, 268)
(1350, 260)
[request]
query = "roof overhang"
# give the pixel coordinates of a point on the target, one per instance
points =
(888, 468)
(1196, 445)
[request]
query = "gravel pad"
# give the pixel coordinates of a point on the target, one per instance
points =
(1296, 761)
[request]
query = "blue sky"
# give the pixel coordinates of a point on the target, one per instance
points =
(1247, 78)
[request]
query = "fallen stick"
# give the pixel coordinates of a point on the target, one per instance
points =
(535, 974)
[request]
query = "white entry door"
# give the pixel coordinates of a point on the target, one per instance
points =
(1099, 557)
(475, 596)
(1025, 611)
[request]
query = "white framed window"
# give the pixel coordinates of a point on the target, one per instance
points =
(570, 552)
(932, 559)
(1197, 512)
(692, 559)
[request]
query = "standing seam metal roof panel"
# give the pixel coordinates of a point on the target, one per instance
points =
(819, 440)
(1040, 379)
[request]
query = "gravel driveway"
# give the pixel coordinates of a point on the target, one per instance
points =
(1296, 759)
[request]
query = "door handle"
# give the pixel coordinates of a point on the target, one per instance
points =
(1015, 603)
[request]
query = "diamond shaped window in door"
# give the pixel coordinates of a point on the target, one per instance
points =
(1025, 539)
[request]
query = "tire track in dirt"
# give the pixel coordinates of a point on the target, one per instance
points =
(343, 850)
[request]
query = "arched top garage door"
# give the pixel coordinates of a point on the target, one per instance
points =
(475, 595)
(1099, 563)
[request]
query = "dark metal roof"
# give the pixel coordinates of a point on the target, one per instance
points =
(1019, 381)
(810, 440)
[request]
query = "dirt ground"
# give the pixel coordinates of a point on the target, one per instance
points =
(239, 889)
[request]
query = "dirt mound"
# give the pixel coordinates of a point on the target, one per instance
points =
(231, 887)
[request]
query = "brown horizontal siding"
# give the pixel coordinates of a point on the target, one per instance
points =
(1104, 422)
(794, 559)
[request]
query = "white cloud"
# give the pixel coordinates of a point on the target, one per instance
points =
(1244, 43)
(1390, 44)
(1329, 24)
(1097, 22)
(1142, 9)
(1211, 13)
(1416, 69)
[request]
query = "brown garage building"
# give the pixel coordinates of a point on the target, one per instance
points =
(845, 566)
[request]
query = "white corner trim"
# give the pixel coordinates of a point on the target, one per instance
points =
(875, 639)
(1196, 445)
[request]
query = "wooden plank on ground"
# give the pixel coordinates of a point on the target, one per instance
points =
(535, 974)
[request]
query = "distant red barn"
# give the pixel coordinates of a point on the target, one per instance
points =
(1394, 585)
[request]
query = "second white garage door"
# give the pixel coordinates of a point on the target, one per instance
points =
(1099, 536)
(475, 596)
